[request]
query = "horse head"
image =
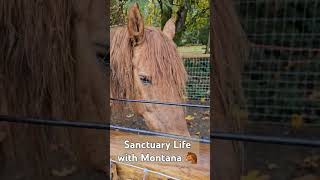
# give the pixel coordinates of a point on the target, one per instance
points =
(146, 65)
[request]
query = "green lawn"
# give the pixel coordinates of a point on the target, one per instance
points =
(192, 49)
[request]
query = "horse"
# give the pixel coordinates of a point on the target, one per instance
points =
(48, 69)
(230, 51)
(145, 65)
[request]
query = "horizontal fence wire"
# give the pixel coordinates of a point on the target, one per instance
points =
(139, 131)
(266, 139)
(161, 103)
(213, 135)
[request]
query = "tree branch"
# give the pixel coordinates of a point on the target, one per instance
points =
(160, 3)
(182, 16)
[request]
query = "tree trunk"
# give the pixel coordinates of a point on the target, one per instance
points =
(166, 13)
(181, 20)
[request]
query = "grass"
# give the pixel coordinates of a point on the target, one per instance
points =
(192, 49)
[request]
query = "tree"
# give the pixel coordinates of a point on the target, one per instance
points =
(191, 16)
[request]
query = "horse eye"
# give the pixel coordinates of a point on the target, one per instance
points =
(145, 79)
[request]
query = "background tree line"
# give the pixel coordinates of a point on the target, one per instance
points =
(192, 17)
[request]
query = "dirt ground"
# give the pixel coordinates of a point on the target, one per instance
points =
(262, 161)
(197, 118)
(62, 168)
(280, 162)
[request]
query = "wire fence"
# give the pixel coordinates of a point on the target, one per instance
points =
(198, 70)
(161, 103)
(197, 96)
(213, 135)
(281, 79)
(282, 76)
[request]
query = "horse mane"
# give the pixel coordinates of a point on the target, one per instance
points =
(36, 57)
(160, 56)
(42, 76)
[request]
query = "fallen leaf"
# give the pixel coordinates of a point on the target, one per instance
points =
(185, 98)
(255, 175)
(206, 113)
(130, 115)
(205, 118)
(296, 121)
(189, 118)
(272, 166)
(198, 133)
(311, 162)
(64, 171)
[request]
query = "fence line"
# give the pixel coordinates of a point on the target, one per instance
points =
(284, 48)
(282, 70)
(198, 70)
(213, 135)
(160, 103)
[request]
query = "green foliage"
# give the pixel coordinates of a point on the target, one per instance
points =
(197, 24)
(193, 36)
(142, 4)
(196, 27)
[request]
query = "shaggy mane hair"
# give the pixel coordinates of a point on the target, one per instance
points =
(36, 57)
(160, 55)
(41, 77)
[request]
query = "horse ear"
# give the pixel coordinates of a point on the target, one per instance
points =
(135, 24)
(169, 28)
